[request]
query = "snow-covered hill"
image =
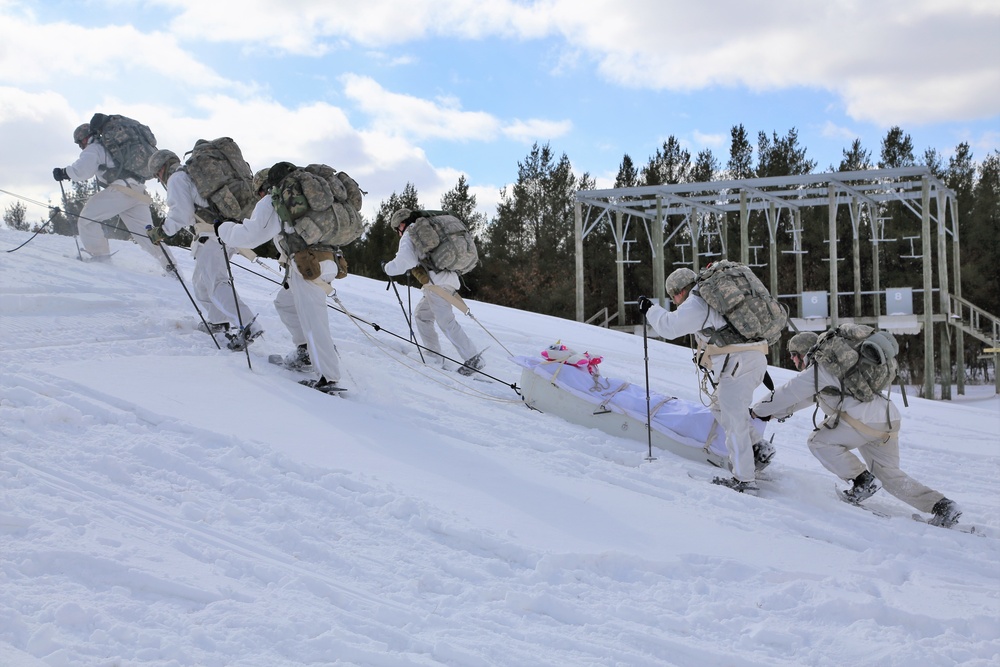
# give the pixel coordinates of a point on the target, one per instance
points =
(163, 504)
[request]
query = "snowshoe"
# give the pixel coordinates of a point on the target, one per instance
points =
(213, 327)
(945, 513)
(241, 339)
(472, 364)
(323, 385)
(736, 485)
(297, 360)
(763, 452)
(865, 486)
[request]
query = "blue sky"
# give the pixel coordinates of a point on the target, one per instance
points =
(417, 91)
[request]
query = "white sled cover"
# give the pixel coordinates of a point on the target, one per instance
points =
(618, 408)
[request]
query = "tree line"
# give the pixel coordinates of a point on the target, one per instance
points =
(526, 248)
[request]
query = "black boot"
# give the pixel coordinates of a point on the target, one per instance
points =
(946, 513)
(865, 486)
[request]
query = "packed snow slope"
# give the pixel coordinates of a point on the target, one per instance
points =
(161, 503)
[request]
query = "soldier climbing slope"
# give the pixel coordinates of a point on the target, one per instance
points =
(869, 426)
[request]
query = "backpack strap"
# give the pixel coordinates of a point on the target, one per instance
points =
(868, 431)
(449, 296)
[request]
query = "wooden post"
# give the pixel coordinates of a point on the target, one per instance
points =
(925, 237)
(578, 246)
(956, 289)
(856, 255)
(620, 273)
(694, 226)
(772, 225)
(834, 277)
(797, 245)
(659, 289)
(944, 300)
(876, 278)
(772, 229)
(995, 351)
(744, 229)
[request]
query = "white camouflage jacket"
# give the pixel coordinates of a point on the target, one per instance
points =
(89, 164)
(806, 389)
(182, 197)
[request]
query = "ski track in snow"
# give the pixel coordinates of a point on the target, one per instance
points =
(162, 504)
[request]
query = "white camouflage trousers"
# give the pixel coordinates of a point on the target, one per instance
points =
(104, 206)
(210, 281)
(738, 378)
(302, 309)
(832, 446)
(433, 308)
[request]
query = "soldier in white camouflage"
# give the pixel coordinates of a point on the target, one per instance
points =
(870, 427)
(734, 371)
(210, 280)
(125, 198)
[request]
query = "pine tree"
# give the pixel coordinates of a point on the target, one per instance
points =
(782, 156)
(528, 247)
(16, 217)
(856, 158)
(740, 165)
(671, 164)
(706, 167)
(628, 175)
(462, 204)
(897, 150)
(980, 241)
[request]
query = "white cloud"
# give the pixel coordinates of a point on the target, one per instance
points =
(393, 113)
(831, 130)
(106, 54)
(530, 131)
(713, 141)
(302, 27)
(891, 62)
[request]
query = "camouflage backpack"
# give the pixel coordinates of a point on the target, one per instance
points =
(321, 205)
(443, 242)
(223, 178)
(130, 144)
(751, 313)
(862, 358)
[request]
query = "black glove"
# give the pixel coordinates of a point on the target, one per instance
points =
(754, 415)
(644, 305)
(60, 174)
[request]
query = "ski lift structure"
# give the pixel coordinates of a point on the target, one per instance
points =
(694, 219)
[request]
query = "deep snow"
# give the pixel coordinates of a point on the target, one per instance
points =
(162, 504)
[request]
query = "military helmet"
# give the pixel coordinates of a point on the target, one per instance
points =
(81, 133)
(260, 179)
(678, 280)
(802, 342)
(160, 159)
(399, 217)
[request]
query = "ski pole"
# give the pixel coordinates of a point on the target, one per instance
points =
(174, 270)
(378, 327)
(413, 336)
(76, 223)
(236, 304)
(645, 359)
